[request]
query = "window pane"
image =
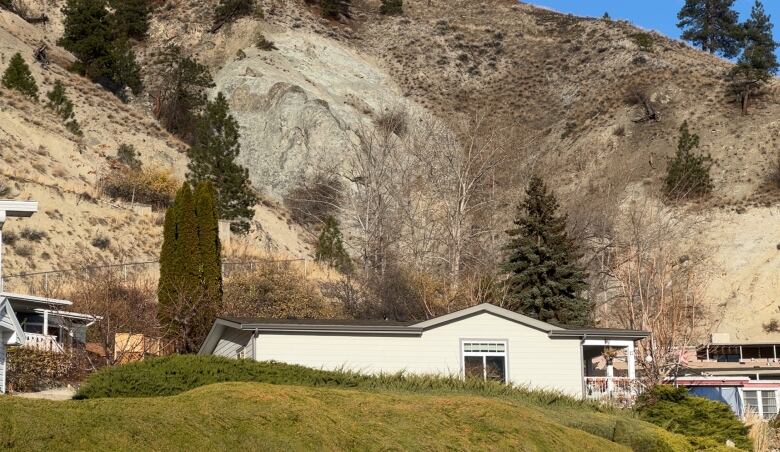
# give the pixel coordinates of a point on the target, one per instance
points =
(495, 366)
(769, 404)
(751, 401)
(472, 366)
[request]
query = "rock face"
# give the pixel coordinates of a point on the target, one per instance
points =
(299, 107)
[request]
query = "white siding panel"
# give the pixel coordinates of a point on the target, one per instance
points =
(3, 338)
(533, 358)
(232, 341)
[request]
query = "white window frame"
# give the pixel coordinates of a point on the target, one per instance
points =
(760, 400)
(484, 355)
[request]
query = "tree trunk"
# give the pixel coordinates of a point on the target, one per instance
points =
(745, 97)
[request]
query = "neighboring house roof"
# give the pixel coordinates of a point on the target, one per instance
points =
(9, 321)
(71, 315)
(18, 208)
(31, 299)
(391, 328)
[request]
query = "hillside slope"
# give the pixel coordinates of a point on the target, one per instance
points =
(45, 162)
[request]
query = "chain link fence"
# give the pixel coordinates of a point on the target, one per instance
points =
(52, 283)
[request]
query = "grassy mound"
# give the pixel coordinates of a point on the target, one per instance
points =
(252, 416)
(176, 374)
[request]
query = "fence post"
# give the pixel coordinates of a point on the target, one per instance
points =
(46, 284)
(305, 262)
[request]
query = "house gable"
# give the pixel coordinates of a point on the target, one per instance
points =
(10, 324)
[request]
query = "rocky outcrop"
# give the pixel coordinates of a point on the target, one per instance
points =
(300, 106)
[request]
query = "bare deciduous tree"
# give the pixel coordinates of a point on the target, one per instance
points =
(658, 275)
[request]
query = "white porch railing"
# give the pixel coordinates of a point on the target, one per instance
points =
(43, 342)
(622, 390)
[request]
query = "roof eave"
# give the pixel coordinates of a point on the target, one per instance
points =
(594, 334)
(333, 329)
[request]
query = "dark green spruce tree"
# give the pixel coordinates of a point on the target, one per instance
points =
(687, 173)
(712, 25)
(131, 18)
(189, 291)
(544, 279)
(330, 247)
(17, 76)
(212, 158)
(93, 36)
(758, 61)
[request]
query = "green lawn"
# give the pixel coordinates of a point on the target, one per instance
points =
(257, 416)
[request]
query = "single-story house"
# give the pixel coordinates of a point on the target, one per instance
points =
(40, 323)
(483, 341)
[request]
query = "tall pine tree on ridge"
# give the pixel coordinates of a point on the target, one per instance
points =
(711, 25)
(212, 158)
(544, 280)
(758, 61)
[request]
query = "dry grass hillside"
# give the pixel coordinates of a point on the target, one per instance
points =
(568, 85)
(45, 162)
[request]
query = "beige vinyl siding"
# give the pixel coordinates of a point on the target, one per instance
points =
(232, 341)
(533, 359)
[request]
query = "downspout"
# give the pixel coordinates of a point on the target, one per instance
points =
(255, 335)
(582, 365)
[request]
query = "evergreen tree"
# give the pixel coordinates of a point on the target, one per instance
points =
(544, 279)
(210, 250)
(63, 107)
(125, 70)
(758, 61)
(391, 7)
(688, 174)
(190, 286)
(88, 36)
(17, 76)
(330, 247)
(92, 35)
(182, 92)
(212, 158)
(131, 18)
(711, 25)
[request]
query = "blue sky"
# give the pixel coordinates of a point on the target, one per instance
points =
(659, 15)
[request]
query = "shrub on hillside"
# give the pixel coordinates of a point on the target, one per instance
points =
(274, 291)
(17, 76)
(314, 199)
(147, 186)
(392, 7)
(32, 370)
(230, 10)
(644, 41)
(706, 423)
(262, 43)
(33, 235)
(63, 107)
(127, 155)
(688, 173)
